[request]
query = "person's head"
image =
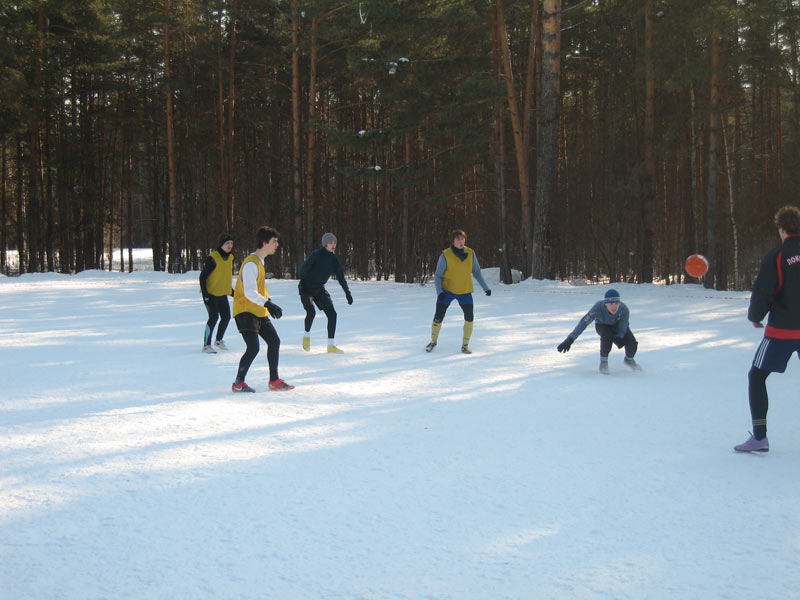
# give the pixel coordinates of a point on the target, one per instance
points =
(267, 240)
(611, 300)
(329, 241)
(225, 242)
(458, 238)
(788, 221)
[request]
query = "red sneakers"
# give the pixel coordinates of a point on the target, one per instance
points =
(241, 387)
(279, 385)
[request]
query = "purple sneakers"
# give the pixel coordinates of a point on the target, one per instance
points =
(753, 445)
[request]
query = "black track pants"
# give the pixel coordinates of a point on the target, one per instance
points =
(607, 338)
(267, 332)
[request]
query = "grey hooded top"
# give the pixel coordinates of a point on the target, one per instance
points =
(599, 313)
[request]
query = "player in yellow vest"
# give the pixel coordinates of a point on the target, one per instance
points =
(252, 310)
(215, 285)
(453, 277)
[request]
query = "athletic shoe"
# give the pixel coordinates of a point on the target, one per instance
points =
(241, 387)
(430, 347)
(604, 367)
(279, 385)
(753, 445)
(335, 350)
(208, 349)
(465, 349)
(306, 344)
(632, 364)
(221, 345)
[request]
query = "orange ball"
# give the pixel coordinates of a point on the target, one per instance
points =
(696, 265)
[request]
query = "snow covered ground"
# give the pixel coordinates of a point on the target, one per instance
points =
(128, 469)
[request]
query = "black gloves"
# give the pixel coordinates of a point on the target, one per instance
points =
(440, 298)
(488, 292)
(274, 310)
(564, 346)
(206, 298)
(349, 297)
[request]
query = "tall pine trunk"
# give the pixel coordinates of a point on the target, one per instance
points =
(520, 150)
(35, 179)
(648, 191)
(311, 171)
(297, 197)
(174, 261)
(222, 201)
(230, 176)
(713, 159)
(547, 151)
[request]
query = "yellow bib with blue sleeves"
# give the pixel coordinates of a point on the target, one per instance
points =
(457, 277)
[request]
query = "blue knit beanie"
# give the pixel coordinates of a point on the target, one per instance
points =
(612, 295)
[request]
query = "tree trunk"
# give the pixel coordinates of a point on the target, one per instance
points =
(230, 178)
(521, 152)
(499, 163)
(35, 179)
(311, 172)
(401, 273)
(20, 210)
(731, 206)
(547, 162)
(648, 191)
(174, 261)
(713, 159)
(297, 196)
(222, 201)
(3, 209)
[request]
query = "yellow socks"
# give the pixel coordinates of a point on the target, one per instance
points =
(467, 332)
(435, 329)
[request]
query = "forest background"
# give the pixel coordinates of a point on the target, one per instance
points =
(597, 139)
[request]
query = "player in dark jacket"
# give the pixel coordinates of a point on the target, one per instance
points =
(314, 273)
(215, 286)
(611, 323)
(776, 292)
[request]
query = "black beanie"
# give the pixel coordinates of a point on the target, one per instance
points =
(224, 237)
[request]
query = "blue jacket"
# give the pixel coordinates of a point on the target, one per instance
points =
(776, 291)
(599, 313)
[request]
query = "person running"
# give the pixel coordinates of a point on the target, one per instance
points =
(315, 271)
(215, 285)
(252, 310)
(455, 269)
(776, 292)
(611, 318)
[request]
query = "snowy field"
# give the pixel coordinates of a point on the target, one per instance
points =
(128, 469)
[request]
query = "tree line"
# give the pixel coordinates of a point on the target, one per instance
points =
(597, 139)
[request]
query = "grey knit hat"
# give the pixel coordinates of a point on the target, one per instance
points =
(327, 238)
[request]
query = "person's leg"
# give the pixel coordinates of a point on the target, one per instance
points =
(438, 317)
(772, 356)
(630, 343)
(305, 300)
(469, 318)
(325, 304)
(224, 310)
(759, 401)
(269, 335)
(251, 339)
(213, 315)
(311, 312)
(606, 333)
